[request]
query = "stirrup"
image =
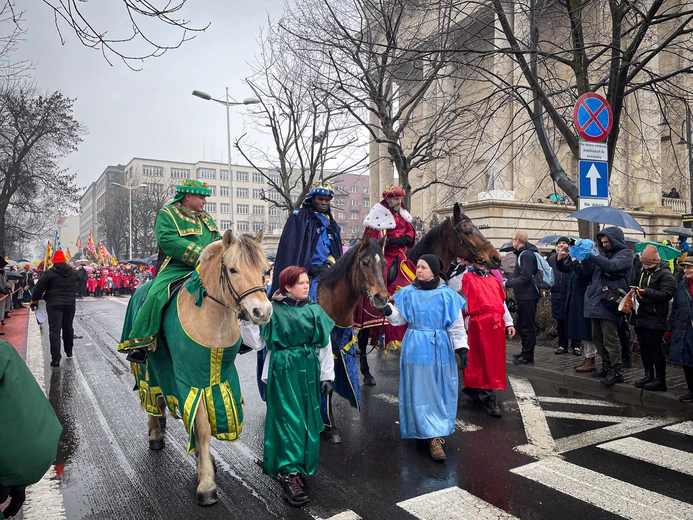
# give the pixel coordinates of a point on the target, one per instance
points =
(138, 355)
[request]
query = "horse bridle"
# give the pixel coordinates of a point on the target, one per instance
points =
(462, 240)
(225, 281)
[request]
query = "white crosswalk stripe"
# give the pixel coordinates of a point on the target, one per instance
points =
(685, 427)
(452, 503)
(613, 495)
(656, 454)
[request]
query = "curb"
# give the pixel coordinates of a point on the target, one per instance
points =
(622, 392)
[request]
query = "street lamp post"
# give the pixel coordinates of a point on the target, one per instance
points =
(130, 188)
(227, 104)
(689, 147)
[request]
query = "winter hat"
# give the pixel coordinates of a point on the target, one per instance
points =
(563, 239)
(435, 263)
(650, 254)
(59, 257)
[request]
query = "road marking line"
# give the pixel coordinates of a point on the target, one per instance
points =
(613, 495)
(452, 503)
(656, 454)
(541, 442)
(587, 416)
(585, 402)
(44, 500)
(685, 427)
(345, 515)
(628, 427)
(460, 425)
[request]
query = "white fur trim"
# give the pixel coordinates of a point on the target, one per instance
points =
(381, 218)
(405, 214)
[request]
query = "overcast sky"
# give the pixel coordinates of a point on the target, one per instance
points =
(150, 113)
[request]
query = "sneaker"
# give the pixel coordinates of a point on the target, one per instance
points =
(516, 356)
(613, 377)
(435, 446)
(292, 490)
(602, 372)
(523, 361)
(687, 397)
(561, 350)
(491, 406)
(55, 363)
(642, 382)
(577, 351)
(587, 365)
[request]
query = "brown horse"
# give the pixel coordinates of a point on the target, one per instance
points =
(455, 236)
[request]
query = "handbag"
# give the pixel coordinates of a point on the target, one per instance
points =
(611, 298)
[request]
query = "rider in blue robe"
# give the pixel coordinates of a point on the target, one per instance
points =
(428, 381)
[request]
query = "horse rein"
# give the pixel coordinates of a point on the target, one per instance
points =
(462, 240)
(225, 280)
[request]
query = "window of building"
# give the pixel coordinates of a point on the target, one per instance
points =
(242, 225)
(214, 190)
(354, 215)
(152, 171)
(341, 187)
(366, 190)
(340, 215)
(223, 191)
(276, 179)
(274, 211)
(274, 195)
(353, 202)
(355, 230)
(225, 224)
(242, 176)
(206, 173)
(258, 178)
(294, 198)
(258, 226)
(225, 207)
(366, 202)
(258, 210)
(242, 193)
(224, 175)
(154, 188)
(339, 201)
(354, 189)
(257, 194)
(242, 209)
(180, 173)
(211, 207)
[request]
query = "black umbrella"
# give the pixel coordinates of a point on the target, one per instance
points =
(14, 275)
(679, 230)
(136, 261)
(507, 247)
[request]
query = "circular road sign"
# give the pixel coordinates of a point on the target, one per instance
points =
(592, 116)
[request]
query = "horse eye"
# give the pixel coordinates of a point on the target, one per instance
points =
(232, 270)
(467, 232)
(364, 263)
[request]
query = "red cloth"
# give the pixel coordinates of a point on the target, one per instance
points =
(485, 332)
(91, 285)
(116, 280)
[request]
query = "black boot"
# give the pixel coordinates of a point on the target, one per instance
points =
(614, 376)
(492, 407)
(658, 385)
(647, 379)
(602, 372)
(292, 490)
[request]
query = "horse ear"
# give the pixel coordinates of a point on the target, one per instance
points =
(365, 240)
(382, 242)
(260, 236)
(457, 210)
(227, 240)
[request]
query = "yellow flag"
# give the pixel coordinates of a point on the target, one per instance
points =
(68, 256)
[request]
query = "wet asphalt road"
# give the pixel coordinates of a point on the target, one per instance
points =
(105, 470)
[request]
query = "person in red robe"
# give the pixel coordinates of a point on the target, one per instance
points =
(389, 219)
(488, 320)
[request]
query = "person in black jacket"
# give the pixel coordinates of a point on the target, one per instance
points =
(59, 286)
(526, 294)
(559, 299)
(82, 282)
(656, 287)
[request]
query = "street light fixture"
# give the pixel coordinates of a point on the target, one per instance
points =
(227, 103)
(130, 188)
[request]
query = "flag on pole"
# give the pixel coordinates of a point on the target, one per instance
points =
(48, 256)
(68, 256)
(57, 241)
(79, 243)
(91, 247)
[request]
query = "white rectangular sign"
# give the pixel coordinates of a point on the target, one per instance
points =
(588, 203)
(593, 151)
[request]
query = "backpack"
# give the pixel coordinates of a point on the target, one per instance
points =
(543, 278)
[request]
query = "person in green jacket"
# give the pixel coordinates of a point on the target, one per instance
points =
(183, 229)
(30, 444)
(299, 368)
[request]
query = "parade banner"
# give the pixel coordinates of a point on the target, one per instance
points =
(68, 256)
(47, 257)
(91, 248)
(79, 243)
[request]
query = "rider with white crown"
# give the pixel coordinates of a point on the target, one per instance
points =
(183, 229)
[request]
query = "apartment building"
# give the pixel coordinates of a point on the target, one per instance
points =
(94, 201)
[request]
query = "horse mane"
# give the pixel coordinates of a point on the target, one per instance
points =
(244, 248)
(341, 268)
(427, 241)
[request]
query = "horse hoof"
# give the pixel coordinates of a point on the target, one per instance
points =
(207, 499)
(368, 380)
(333, 437)
(157, 444)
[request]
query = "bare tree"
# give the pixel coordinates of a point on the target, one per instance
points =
(113, 224)
(313, 137)
(36, 132)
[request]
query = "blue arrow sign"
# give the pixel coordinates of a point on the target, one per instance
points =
(594, 179)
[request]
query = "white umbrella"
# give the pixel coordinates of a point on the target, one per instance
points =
(82, 261)
(11, 263)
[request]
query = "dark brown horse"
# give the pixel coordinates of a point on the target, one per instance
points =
(455, 236)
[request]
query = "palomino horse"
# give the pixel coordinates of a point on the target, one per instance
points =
(193, 373)
(359, 272)
(455, 236)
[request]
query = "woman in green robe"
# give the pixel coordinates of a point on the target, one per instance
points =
(299, 367)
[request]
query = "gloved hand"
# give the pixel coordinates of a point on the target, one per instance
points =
(464, 361)
(667, 335)
(326, 387)
(33, 306)
(387, 310)
(399, 241)
(317, 270)
(17, 496)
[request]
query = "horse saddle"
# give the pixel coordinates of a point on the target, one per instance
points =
(392, 271)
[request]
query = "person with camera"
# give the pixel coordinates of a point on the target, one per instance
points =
(610, 272)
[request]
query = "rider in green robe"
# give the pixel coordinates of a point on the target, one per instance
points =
(183, 229)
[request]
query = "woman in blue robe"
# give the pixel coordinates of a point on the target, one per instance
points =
(428, 370)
